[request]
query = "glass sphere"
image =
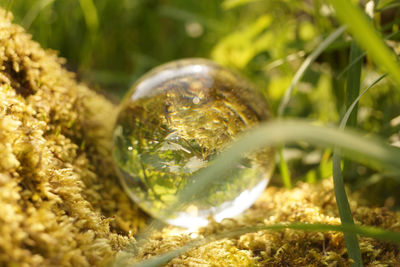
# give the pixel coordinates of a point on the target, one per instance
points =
(174, 121)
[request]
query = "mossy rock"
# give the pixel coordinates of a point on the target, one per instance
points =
(61, 203)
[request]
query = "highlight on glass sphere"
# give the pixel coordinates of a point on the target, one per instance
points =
(173, 122)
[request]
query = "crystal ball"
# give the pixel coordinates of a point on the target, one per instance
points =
(173, 122)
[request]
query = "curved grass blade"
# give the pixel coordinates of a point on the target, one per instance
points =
(353, 82)
(34, 11)
(300, 72)
(366, 231)
(284, 170)
(351, 64)
(352, 90)
(229, 4)
(90, 14)
(353, 248)
(285, 131)
(277, 132)
(351, 240)
(350, 109)
(361, 56)
(388, 6)
(367, 37)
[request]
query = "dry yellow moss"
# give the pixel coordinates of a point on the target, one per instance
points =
(305, 203)
(61, 204)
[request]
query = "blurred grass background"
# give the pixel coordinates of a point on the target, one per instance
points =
(112, 43)
(109, 44)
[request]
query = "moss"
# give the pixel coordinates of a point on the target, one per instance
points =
(305, 203)
(61, 204)
(60, 201)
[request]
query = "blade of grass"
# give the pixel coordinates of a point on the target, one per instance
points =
(351, 240)
(353, 82)
(283, 167)
(285, 172)
(367, 37)
(90, 14)
(361, 56)
(366, 231)
(350, 109)
(352, 91)
(228, 4)
(277, 132)
(353, 248)
(34, 11)
(309, 60)
(351, 64)
(387, 5)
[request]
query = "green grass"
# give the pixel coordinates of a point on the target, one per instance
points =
(284, 169)
(340, 192)
(305, 66)
(285, 131)
(364, 33)
(355, 146)
(352, 91)
(283, 166)
(367, 37)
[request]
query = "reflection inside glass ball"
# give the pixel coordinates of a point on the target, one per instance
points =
(174, 122)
